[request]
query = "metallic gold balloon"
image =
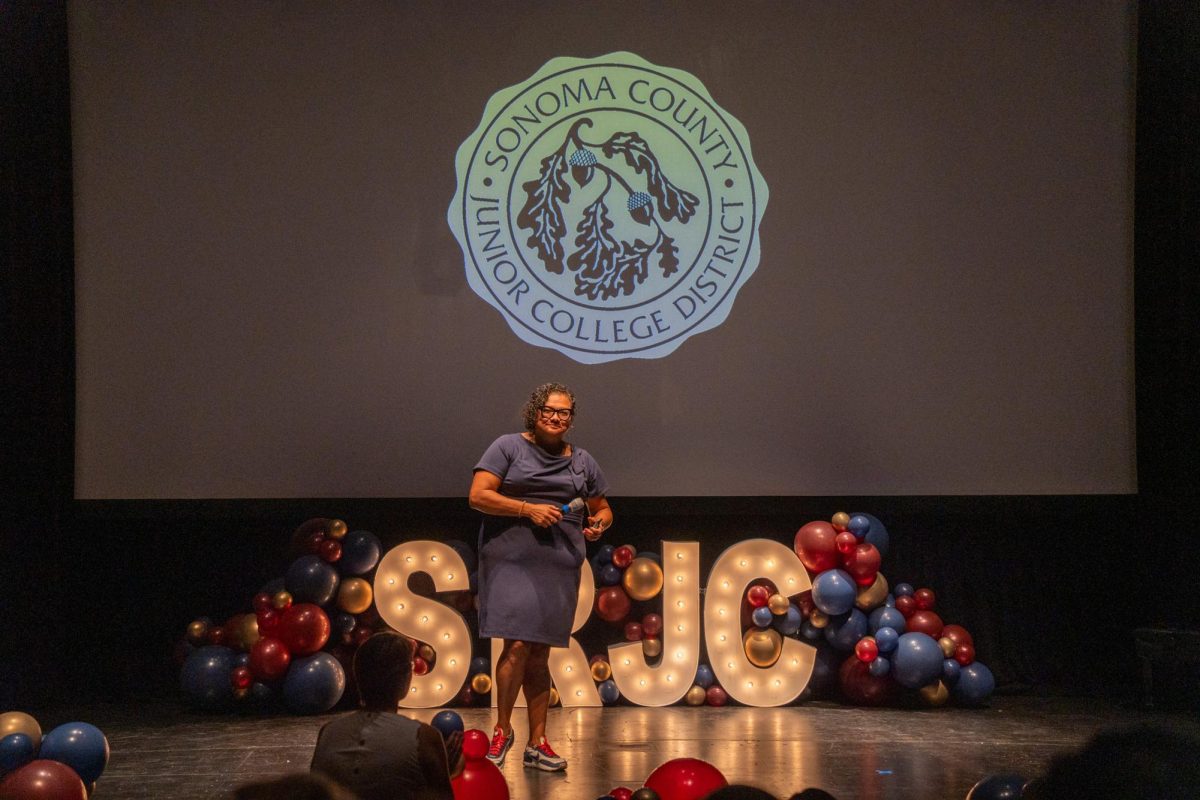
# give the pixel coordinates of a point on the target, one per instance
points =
(281, 600)
(643, 579)
(354, 595)
(197, 632)
(553, 696)
(336, 530)
(20, 722)
(778, 604)
(935, 694)
(947, 644)
(652, 647)
(245, 631)
(696, 696)
(601, 671)
(481, 683)
(763, 646)
(840, 520)
(427, 652)
(818, 618)
(871, 597)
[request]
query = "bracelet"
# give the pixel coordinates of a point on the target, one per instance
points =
(521, 510)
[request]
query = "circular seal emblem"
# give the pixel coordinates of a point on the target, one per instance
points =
(608, 208)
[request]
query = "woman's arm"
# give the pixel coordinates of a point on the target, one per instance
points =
(431, 754)
(600, 518)
(485, 496)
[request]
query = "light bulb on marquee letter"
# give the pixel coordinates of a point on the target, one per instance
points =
(736, 569)
(569, 667)
(665, 683)
(427, 620)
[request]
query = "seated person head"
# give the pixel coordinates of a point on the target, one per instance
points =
(383, 671)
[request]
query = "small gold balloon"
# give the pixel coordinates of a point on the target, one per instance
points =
(696, 696)
(354, 595)
(197, 632)
(481, 683)
(947, 644)
(336, 530)
(245, 631)
(763, 646)
(281, 600)
(935, 694)
(839, 521)
(601, 671)
(873, 596)
(778, 604)
(652, 647)
(818, 618)
(553, 696)
(426, 652)
(20, 722)
(241, 693)
(643, 579)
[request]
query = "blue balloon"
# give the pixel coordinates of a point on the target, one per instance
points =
(205, 677)
(261, 695)
(886, 639)
(313, 684)
(888, 618)
(16, 750)
(342, 624)
(824, 678)
(312, 580)
(80, 746)
(480, 664)
(834, 592)
(844, 632)
(859, 525)
(271, 587)
(704, 676)
(917, 660)
(609, 575)
(762, 617)
(876, 534)
(903, 590)
(241, 660)
(789, 623)
(447, 722)
(998, 787)
(890, 600)
(879, 667)
(465, 552)
(951, 670)
(811, 632)
(974, 686)
(655, 557)
(604, 554)
(360, 553)
(609, 693)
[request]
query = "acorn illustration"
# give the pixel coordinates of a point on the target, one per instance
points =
(582, 162)
(641, 207)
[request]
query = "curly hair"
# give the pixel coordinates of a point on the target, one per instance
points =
(538, 398)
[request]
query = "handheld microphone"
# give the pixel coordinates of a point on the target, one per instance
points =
(575, 506)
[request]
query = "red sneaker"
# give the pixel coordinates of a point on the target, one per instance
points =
(501, 744)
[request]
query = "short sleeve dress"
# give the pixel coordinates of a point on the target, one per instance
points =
(529, 576)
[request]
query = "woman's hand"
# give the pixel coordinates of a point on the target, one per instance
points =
(543, 515)
(595, 528)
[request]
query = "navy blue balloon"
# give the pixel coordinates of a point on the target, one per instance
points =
(890, 600)
(877, 534)
(447, 722)
(609, 693)
(844, 632)
(879, 667)
(311, 580)
(241, 660)
(604, 554)
(834, 592)
(704, 676)
(810, 632)
(824, 678)
(655, 557)
(480, 664)
(903, 589)
(917, 660)
(610, 575)
(886, 639)
(789, 623)
(342, 624)
(360, 553)
(888, 618)
(16, 750)
(465, 552)
(951, 670)
(974, 686)
(762, 617)
(313, 684)
(261, 695)
(273, 587)
(859, 525)
(79, 745)
(205, 677)
(998, 787)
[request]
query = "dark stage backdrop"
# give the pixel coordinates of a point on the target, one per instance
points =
(270, 303)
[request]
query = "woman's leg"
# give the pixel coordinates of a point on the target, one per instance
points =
(510, 675)
(537, 689)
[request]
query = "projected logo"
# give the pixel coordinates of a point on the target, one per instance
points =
(608, 208)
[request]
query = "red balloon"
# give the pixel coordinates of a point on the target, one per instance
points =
(866, 650)
(906, 605)
(633, 631)
(925, 599)
(964, 654)
(816, 545)
(262, 601)
(805, 603)
(269, 658)
(845, 542)
(863, 563)
(620, 793)
(861, 687)
(612, 604)
(330, 550)
(926, 622)
(466, 697)
(480, 778)
(685, 779)
(268, 622)
(361, 633)
(43, 779)
(958, 634)
(475, 744)
(758, 595)
(304, 629)
(219, 636)
(419, 666)
(715, 696)
(241, 678)
(652, 625)
(622, 557)
(312, 542)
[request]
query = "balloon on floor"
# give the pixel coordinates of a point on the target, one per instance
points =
(65, 762)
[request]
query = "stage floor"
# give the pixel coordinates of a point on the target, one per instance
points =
(165, 751)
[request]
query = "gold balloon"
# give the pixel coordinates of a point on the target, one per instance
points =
(778, 604)
(481, 683)
(337, 529)
(696, 696)
(643, 579)
(20, 722)
(652, 647)
(935, 694)
(947, 644)
(873, 596)
(601, 671)
(354, 595)
(763, 646)
(840, 520)
(245, 631)
(553, 696)
(197, 632)
(818, 618)
(427, 652)
(281, 600)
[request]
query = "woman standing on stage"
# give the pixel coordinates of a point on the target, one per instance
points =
(530, 553)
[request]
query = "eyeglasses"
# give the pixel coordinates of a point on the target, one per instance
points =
(562, 413)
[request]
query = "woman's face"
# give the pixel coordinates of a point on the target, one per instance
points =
(554, 418)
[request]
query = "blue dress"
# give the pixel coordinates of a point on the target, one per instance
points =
(529, 576)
